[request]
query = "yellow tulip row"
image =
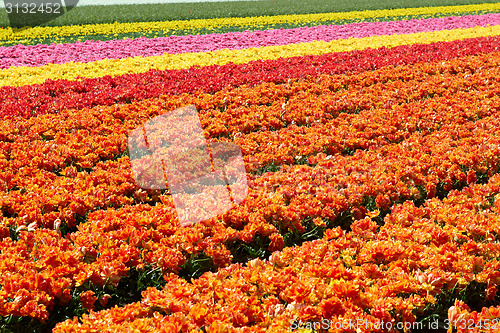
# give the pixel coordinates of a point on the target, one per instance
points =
(19, 76)
(118, 28)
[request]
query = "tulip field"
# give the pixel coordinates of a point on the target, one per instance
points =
(371, 146)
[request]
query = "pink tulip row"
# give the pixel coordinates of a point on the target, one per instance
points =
(88, 51)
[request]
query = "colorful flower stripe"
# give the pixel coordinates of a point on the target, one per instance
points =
(337, 277)
(221, 30)
(89, 51)
(54, 96)
(112, 241)
(117, 28)
(18, 76)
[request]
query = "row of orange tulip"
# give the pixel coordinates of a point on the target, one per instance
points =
(395, 271)
(78, 141)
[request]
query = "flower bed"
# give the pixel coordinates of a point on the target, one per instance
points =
(373, 184)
